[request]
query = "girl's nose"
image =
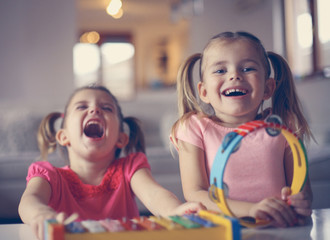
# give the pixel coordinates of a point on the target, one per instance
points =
(235, 76)
(95, 110)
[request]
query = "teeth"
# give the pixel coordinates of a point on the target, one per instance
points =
(229, 91)
(92, 122)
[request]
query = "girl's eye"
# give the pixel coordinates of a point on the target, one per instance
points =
(107, 108)
(81, 107)
(220, 71)
(248, 69)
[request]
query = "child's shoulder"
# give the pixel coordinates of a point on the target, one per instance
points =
(42, 169)
(195, 117)
(42, 165)
(134, 158)
(130, 164)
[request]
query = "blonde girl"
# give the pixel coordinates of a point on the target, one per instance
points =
(234, 81)
(99, 182)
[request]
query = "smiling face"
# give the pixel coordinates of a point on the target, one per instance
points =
(92, 126)
(234, 81)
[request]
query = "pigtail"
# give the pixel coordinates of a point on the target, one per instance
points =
(136, 136)
(285, 101)
(187, 101)
(47, 134)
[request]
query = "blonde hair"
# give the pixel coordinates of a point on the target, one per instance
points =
(285, 101)
(47, 133)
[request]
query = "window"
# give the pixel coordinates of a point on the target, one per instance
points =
(307, 36)
(323, 19)
(109, 62)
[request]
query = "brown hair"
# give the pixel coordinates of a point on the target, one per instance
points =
(46, 133)
(285, 102)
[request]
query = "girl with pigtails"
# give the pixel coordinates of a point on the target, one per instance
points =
(99, 181)
(234, 81)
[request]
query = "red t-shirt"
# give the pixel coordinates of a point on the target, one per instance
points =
(113, 198)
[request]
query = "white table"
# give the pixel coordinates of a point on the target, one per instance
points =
(319, 230)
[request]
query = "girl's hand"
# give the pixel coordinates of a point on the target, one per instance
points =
(301, 203)
(188, 208)
(275, 210)
(37, 224)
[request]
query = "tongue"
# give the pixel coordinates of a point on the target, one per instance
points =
(93, 131)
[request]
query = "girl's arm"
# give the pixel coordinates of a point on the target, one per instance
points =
(193, 173)
(157, 199)
(195, 186)
(33, 207)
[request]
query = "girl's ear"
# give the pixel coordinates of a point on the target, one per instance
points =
(61, 137)
(202, 92)
(269, 88)
(122, 140)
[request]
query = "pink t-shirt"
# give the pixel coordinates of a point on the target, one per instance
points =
(254, 172)
(113, 198)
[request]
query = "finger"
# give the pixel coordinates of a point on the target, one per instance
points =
(306, 212)
(288, 213)
(299, 203)
(200, 206)
(262, 215)
(192, 210)
(60, 217)
(285, 193)
(304, 221)
(196, 206)
(35, 230)
(73, 217)
(302, 196)
(302, 207)
(40, 232)
(281, 213)
(298, 196)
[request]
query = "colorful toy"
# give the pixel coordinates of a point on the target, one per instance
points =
(148, 228)
(231, 143)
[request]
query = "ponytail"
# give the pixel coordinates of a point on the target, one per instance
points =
(285, 101)
(136, 137)
(47, 134)
(187, 101)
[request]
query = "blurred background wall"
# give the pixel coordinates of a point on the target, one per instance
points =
(38, 37)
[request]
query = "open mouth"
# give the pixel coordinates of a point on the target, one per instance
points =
(234, 92)
(94, 129)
